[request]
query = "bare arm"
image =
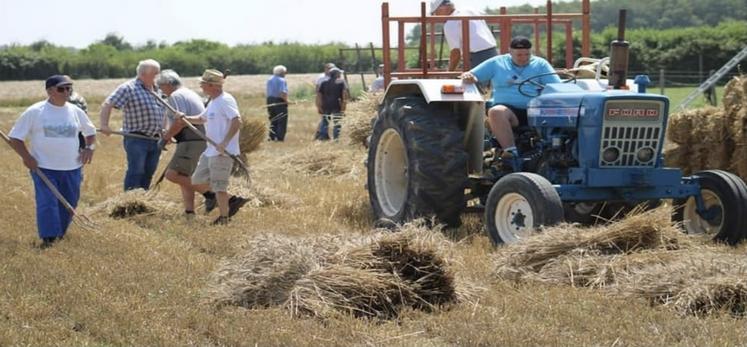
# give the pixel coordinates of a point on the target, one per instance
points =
(233, 129)
(106, 111)
(20, 148)
(86, 155)
(454, 57)
(318, 102)
(284, 96)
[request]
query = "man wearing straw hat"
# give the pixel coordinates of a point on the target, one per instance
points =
(222, 123)
(277, 103)
(189, 145)
(52, 127)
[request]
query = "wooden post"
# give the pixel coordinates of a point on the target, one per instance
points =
(358, 66)
(373, 59)
(568, 45)
(423, 43)
(385, 48)
(585, 28)
(432, 45)
(465, 46)
(342, 66)
(537, 51)
(661, 81)
(401, 46)
(505, 31)
(549, 32)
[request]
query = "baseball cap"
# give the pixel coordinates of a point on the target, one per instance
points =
(57, 80)
(521, 42)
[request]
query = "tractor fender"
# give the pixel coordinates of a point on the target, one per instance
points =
(473, 106)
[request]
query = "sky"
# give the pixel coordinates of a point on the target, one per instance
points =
(78, 23)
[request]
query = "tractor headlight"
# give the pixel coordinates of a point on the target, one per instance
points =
(645, 154)
(610, 155)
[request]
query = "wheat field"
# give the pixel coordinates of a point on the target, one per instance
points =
(142, 280)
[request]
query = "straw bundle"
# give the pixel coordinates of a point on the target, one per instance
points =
(132, 203)
(262, 195)
(701, 282)
(264, 275)
(324, 159)
(647, 230)
(251, 135)
(339, 289)
(359, 118)
(363, 276)
(735, 95)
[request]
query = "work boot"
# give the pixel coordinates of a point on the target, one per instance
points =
(210, 201)
(47, 242)
(234, 204)
(189, 215)
(221, 220)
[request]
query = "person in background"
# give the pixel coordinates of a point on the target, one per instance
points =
(481, 41)
(277, 103)
(378, 84)
(51, 128)
(323, 76)
(509, 106)
(142, 115)
(331, 99)
(189, 145)
(222, 123)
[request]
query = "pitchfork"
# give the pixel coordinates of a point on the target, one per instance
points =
(79, 219)
(235, 158)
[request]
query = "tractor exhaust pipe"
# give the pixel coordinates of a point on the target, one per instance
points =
(619, 56)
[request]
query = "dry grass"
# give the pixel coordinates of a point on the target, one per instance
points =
(358, 120)
(142, 280)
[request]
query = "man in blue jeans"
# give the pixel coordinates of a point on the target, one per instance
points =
(142, 115)
(331, 98)
(51, 128)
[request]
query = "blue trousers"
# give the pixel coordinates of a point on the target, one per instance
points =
(52, 219)
(322, 131)
(142, 161)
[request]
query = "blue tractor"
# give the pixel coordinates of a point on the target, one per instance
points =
(593, 147)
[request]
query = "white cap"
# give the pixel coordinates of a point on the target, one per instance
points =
(436, 3)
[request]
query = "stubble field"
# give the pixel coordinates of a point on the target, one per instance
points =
(142, 280)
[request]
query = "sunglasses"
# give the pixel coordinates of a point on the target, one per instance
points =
(64, 89)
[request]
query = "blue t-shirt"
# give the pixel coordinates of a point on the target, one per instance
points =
(276, 85)
(505, 77)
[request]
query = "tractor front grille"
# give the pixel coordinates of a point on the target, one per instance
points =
(632, 130)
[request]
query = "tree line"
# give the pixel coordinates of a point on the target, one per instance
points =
(113, 57)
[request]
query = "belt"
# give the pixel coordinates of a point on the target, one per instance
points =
(145, 134)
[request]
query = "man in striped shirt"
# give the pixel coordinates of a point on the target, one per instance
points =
(142, 115)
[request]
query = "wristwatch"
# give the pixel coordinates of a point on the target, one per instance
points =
(91, 146)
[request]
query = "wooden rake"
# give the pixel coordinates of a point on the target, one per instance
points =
(79, 219)
(244, 168)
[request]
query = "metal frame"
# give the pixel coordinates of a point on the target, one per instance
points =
(504, 21)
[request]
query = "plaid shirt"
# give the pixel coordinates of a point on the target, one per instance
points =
(142, 113)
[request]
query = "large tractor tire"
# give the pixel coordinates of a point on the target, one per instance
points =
(519, 204)
(417, 163)
(725, 198)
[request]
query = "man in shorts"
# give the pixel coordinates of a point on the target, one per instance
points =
(189, 145)
(222, 123)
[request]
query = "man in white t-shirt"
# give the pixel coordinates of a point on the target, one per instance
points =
(222, 123)
(51, 128)
(481, 41)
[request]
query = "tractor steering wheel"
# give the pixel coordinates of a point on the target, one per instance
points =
(566, 77)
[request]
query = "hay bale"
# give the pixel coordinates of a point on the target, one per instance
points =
(321, 276)
(251, 135)
(648, 230)
(324, 159)
(699, 282)
(340, 289)
(735, 95)
(137, 202)
(358, 120)
(264, 275)
(680, 127)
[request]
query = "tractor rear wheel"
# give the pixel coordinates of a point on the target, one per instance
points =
(725, 198)
(417, 163)
(519, 204)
